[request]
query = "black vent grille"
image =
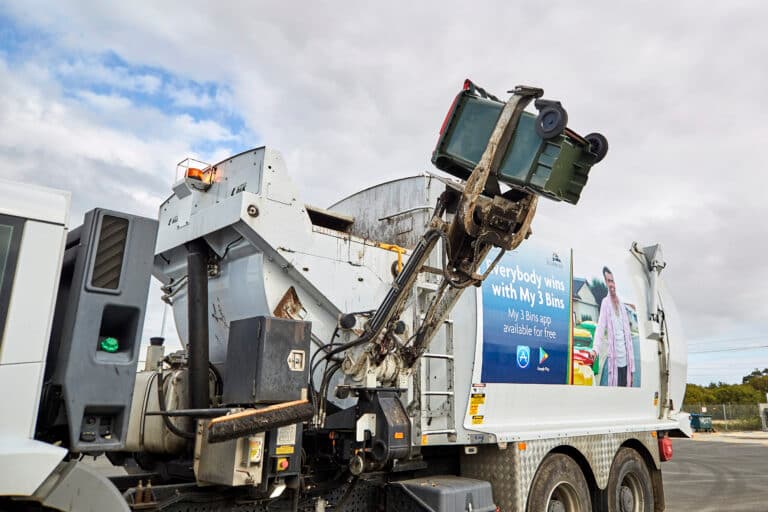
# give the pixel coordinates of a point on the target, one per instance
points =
(109, 253)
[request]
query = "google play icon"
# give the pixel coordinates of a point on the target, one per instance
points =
(543, 356)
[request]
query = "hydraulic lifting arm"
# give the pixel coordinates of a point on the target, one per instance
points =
(485, 219)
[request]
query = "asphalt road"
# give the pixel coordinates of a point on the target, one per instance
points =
(707, 476)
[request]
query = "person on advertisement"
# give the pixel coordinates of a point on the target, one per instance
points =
(613, 338)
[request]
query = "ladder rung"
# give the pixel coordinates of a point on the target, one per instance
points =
(438, 393)
(438, 432)
(437, 356)
(448, 321)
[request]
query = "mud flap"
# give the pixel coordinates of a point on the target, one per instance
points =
(74, 487)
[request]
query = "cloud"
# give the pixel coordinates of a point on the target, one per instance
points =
(110, 149)
(94, 72)
(100, 145)
(356, 96)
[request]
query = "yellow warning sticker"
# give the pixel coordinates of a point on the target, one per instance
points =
(284, 450)
(477, 398)
(477, 420)
(255, 447)
(473, 409)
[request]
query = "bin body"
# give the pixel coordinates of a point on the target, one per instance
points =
(701, 422)
(556, 168)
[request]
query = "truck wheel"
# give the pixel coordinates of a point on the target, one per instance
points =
(559, 486)
(629, 484)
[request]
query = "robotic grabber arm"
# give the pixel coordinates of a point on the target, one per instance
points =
(531, 156)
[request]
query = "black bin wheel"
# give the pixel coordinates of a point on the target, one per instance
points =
(629, 484)
(551, 121)
(598, 145)
(559, 486)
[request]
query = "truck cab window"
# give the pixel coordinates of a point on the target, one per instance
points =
(10, 239)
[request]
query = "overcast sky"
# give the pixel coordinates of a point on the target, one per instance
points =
(103, 100)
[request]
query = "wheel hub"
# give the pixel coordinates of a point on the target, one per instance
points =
(556, 506)
(626, 499)
(563, 499)
(549, 120)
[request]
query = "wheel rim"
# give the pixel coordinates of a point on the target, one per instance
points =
(631, 497)
(563, 498)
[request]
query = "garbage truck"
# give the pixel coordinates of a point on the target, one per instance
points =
(409, 347)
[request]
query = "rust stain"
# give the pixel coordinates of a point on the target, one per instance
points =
(290, 306)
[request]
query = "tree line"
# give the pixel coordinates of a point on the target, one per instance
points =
(752, 390)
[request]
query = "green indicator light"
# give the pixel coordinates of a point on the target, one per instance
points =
(109, 344)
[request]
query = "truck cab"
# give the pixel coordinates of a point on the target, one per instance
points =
(71, 315)
(33, 229)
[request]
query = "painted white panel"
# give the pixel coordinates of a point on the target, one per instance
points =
(25, 464)
(19, 395)
(33, 298)
(34, 202)
(536, 411)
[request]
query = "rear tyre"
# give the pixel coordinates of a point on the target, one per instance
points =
(559, 486)
(629, 484)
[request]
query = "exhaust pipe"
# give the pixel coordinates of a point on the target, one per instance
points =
(197, 323)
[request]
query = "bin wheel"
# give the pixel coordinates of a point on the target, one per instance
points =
(559, 486)
(598, 145)
(551, 121)
(629, 484)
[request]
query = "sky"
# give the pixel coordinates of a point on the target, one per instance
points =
(103, 99)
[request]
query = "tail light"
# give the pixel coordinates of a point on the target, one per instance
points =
(665, 448)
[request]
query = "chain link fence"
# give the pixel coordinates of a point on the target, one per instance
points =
(730, 416)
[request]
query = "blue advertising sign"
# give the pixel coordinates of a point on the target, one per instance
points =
(527, 317)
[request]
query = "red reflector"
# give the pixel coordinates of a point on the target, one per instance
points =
(665, 448)
(467, 84)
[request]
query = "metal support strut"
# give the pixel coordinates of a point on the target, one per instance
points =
(197, 318)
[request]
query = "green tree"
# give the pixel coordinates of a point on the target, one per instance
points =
(758, 380)
(695, 394)
(752, 390)
(737, 394)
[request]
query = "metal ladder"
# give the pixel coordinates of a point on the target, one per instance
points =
(425, 391)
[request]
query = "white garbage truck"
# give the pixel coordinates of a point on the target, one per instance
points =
(405, 348)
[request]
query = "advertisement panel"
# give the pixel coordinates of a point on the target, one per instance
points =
(544, 324)
(526, 318)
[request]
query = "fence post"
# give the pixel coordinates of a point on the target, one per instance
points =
(725, 417)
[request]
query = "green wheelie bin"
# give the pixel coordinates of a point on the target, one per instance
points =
(544, 157)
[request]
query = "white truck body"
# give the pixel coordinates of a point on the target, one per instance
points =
(340, 270)
(515, 411)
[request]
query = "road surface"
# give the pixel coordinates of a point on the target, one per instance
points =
(717, 474)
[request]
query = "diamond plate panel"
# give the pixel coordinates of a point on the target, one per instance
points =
(511, 470)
